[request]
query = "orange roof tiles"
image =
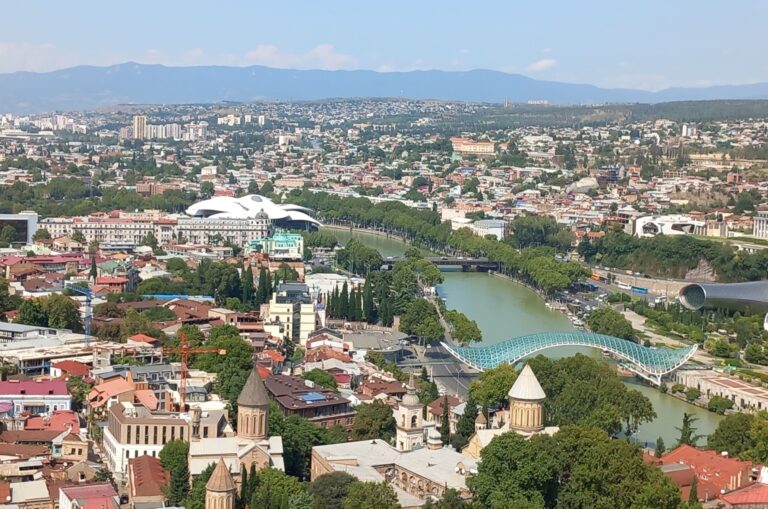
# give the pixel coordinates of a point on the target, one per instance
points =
(147, 398)
(101, 393)
(73, 368)
(752, 495)
(711, 468)
(143, 338)
(147, 477)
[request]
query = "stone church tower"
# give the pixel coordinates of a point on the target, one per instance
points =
(408, 416)
(220, 488)
(526, 403)
(253, 409)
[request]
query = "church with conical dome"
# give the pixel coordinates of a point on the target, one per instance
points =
(524, 415)
(251, 445)
(220, 490)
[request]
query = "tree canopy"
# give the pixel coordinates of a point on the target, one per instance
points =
(578, 467)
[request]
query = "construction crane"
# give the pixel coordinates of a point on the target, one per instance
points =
(184, 352)
(84, 290)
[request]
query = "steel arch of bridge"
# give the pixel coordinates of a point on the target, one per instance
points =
(649, 363)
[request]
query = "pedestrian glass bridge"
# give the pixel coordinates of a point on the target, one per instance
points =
(649, 363)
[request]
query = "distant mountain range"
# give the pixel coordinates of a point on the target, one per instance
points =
(88, 87)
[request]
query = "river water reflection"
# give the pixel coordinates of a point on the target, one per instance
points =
(504, 309)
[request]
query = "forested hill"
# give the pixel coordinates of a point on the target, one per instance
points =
(674, 256)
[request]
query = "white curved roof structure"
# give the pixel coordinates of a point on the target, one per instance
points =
(249, 206)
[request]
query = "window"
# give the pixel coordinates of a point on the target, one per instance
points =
(128, 439)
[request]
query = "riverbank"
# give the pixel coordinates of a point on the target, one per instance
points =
(554, 303)
(504, 309)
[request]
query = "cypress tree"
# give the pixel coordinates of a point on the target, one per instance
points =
(344, 302)
(445, 422)
(385, 313)
(335, 301)
(253, 482)
(261, 291)
(369, 310)
(359, 309)
(94, 270)
(247, 286)
(352, 312)
(244, 494)
(693, 496)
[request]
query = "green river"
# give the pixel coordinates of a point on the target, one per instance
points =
(504, 309)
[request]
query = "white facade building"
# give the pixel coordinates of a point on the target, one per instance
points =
(760, 225)
(650, 226)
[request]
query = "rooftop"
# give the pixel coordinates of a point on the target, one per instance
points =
(527, 387)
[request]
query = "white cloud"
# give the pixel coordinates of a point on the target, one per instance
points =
(542, 65)
(322, 56)
(386, 68)
(23, 56)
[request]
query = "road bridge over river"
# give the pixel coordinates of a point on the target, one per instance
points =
(466, 263)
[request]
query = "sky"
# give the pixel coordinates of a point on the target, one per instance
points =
(649, 45)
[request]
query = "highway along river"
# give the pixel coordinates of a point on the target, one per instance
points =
(504, 309)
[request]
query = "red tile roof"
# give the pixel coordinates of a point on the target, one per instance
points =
(34, 388)
(342, 378)
(73, 368)
(109, 280)
(754, 494)
(91, 492)
(101, 393)
(23, 451)
(143, 338)
(147, 477)
(723, 473)
(60, 420)
(436, 407)
(38, 436)
(272, 354)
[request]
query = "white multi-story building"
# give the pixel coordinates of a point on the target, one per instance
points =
(140, 127)
(131, 231)
(35, 397)
(109, 231)
(240, 232)
(197, 131)
(291, 313)
(760, 224)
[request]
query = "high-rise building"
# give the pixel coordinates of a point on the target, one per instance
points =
(139, 127)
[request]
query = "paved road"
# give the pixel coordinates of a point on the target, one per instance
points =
(453, 377)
